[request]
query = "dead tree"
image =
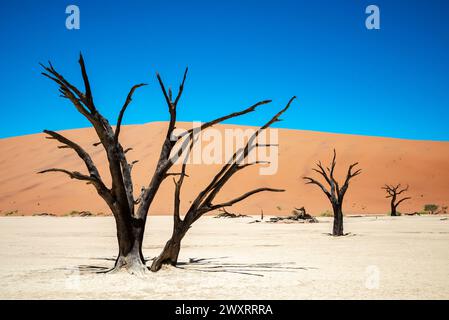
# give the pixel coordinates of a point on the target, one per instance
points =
(334, 193)
(393, 192)
(130, 213)
(204, 201)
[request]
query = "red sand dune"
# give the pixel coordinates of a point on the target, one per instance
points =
(424, 165)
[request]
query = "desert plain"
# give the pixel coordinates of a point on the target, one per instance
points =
(58, 256)
(383, 257)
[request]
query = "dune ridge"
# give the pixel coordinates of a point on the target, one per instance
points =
(424, 165)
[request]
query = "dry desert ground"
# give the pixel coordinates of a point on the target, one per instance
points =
(384, 257)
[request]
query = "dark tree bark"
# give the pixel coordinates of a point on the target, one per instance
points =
(337, 229)
(119, 197)
(204, 202)
(335, 194)
(393, 191)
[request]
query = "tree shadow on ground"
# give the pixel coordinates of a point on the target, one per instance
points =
(211, 265)
(347, 234)
(252, 269)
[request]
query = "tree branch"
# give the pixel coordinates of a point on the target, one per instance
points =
(401, 191)
(88, 94)
(313, 181)
(402, 200)
(349, 176)
(243, 197)
(93, 171)
(122, 111)
(224, 118)
(206, 197)
(72, 174)
(322, 172)
(181, 87)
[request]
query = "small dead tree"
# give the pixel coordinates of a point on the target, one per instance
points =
(130, 213)
(393, 191)
(335, 194)
(204, 202)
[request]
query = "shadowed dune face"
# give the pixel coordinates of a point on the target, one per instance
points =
(424, 165)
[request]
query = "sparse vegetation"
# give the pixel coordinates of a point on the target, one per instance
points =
(44, 214)
(11, 213)
(327, 213)
(102, 214)
(75, 213)
(431, 208)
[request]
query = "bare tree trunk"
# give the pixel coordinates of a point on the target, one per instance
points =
(170, 253)
(393, 210)
(393, 205)
(338, 220)
(130, 238)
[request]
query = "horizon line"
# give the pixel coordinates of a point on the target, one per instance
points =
(238, 125)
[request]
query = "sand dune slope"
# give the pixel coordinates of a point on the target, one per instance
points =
(424, 165)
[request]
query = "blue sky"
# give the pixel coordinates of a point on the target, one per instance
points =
(390, 82)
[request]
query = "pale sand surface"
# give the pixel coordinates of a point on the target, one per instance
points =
(424, 165)
(40, 255)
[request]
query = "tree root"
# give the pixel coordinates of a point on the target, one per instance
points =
(131, 264)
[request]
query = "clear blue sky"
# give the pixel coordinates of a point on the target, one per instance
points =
(390, 82)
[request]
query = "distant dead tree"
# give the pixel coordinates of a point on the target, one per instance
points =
(130, 213)
(204, 201)
(335, 194)
(393, 191)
